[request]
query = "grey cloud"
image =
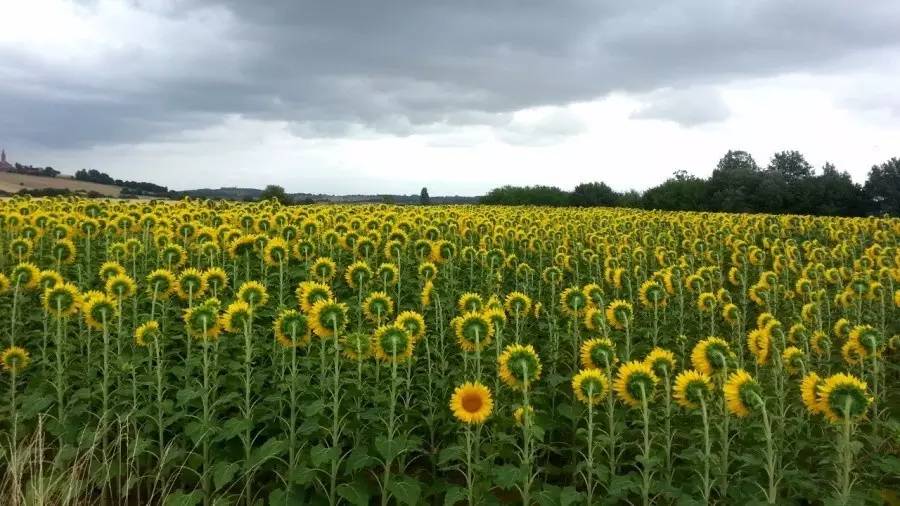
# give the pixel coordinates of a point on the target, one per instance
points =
(398, 67)
(688, 107)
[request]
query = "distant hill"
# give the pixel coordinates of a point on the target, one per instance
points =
(234, 193)
(12, 182)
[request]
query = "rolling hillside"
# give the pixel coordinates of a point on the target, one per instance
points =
(11, 183)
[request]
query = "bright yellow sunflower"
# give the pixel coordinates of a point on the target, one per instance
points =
(590, 386)
(809, 393)
(692, 387)
(634, 381)
(14, 359)
(519, 366)
(471, 403)
(843, 395)
(740, 393)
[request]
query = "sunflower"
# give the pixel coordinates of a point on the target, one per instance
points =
(706, 302)
(809, 393)
(64, 251)
(471, 403)
(820, 342)
(590, 386)
(427, 271)
(740, 392)
(470, 303)
(519, 366)
(378, 306)
(572, 301)
(413, 322)
(120, 287)
(174, 256)
(594, 294)
(161, 282)
(474, 330)
(216, 279)
(328, 316)
(652, 294)
(517, 303)
(842, 328)
(866, 338)
(392, 343)
(242, 245)
(146, 333)
(14, 359)
(425, 296)
(98, 310)
(635, 380)
(519, 415)
(310, 292)
(730, 313)
(662, 362)
(759, 344)
(852, 353)
(49, 278)
(203, 320)
(4, 283)
(253, 293)
(358, 274)
(792, 358)
(291, 329)
(388, 273)
(190, 284)
(110, 269)
(62, 300)
(324, 269)
(276, 252)
(598, 353)
(710, 355)
(20, 247)
(843, 395)
(619, 313)
(236, 317)
(691, 387)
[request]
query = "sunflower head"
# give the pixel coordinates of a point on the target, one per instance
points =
(203, 321)
(216, 279)
(377, 307)
(161, 282)
(731, 313)
(793, 359)
(843, 395)
(866, 338)
(328, 316)
(190, 284)
(809, 393)
(635, 381)
(392, 343)
(147, 333)
(594, 294)
(291, 329)
(120, 286)
(49, 278)
(523, 414)
(852, 352)
(62, 300)
(98, 310)
(471, 403)
(388, 273)
(253, 293)
(14, 359)
(310, 292)
(358, 274)
(237, 317)
(594, 319)
(425, 296)
(4, 283)
(619, 313)
(590, 386)
(64, 251)
(820, 342)
(691, 389)
(470, 302)
(517, 303)
(276, 251)
(573, 301)
(598, 353)
(324, 269)
(413, 322)
(741, 393)
(662, 362)
(652, 294)
(519, 366)
(474, 331)
(710, 355)
(842, 328)
(110, 269)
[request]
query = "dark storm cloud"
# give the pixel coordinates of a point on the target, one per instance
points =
(328, 67)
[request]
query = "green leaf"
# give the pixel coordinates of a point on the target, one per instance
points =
(319, 455)
(389, 449)
(451, 454)
(186, 395)
(551, 495)
(313, 408)
(355, 493)
(303, 475)
(181, 499)
(359, 458)
(454, 495)
(270, 449)
(223, 473)
(233, 428)
(406, 490)
(507, 476)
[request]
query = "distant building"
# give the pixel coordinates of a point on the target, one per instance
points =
(4, 165)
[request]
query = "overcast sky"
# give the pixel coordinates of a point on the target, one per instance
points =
(388, 96)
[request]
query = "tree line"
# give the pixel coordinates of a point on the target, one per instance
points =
(787, 185)
(128, 187)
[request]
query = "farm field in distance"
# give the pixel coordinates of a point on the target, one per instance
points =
(212, 352)
(12, 182)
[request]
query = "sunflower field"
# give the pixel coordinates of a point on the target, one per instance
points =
(216, 353)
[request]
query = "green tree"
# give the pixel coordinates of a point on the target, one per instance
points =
(883, 187)
(275, 192)
(594, 194)
(424, 199)
(791, 165)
